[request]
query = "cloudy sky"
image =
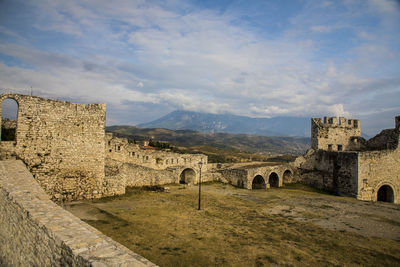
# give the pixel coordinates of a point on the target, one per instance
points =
(253, 58)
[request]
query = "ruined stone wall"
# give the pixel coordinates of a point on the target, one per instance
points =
(243, 177)
(334, 135)
(376, 169)
(284, 173)
(336, 172)
(120, 149)
(121, 174)
(236, 177)
(386, 139)
(129, 165)
(306, 171)
(360, 173)
(34, 231)
(213, 176)
(343, 169)
(379, 166)
(62, 144)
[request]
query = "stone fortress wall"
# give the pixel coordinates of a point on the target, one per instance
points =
(377, 170)
(368, 170)
(259, 177)
(65, 148)
(121, 149)
(61, 143)
(36, 232)
(128, 164)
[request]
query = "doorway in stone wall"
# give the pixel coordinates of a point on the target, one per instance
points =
(287, 176)
(273, 180)
(187, 176)
(258, 183)
(9, 117)
(385, 194)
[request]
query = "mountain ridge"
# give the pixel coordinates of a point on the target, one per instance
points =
(230, 123)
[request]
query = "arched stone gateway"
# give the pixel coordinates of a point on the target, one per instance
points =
(385, 194)
(287, 176)
(273, 180)
(258, 182)
(187, 176)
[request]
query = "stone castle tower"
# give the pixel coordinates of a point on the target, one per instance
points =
(334, 135)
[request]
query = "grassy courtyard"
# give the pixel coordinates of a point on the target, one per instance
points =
(293, 226)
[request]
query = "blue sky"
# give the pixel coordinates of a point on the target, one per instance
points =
(254, 58)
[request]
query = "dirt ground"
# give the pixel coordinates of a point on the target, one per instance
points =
(293, 226)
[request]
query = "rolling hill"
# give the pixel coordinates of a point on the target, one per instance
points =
(234, 142)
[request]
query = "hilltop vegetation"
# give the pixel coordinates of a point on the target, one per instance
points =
(220, 147)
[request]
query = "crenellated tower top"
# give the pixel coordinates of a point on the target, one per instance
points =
(333, 134)
(342, 122)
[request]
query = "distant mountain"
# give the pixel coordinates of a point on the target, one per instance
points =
(228, 123)
(239, 142)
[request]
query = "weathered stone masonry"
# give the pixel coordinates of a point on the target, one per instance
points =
(262, 177)
(122, 150)
(334, 135)
(127, 164)
(368, 170)
(36, 232)
(62, 144)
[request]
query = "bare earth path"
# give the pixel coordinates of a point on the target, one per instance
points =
(292, 226)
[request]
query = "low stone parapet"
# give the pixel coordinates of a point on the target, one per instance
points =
(34, 231)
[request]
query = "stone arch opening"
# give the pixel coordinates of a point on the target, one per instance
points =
(287, 176)
(258, 183)
(9, 118)
(187, 176)
(273, 180)
(385, 194)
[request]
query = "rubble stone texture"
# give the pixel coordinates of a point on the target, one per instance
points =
(365, 170)
(122, 150)
(269, 176)
(127, 164)
(36, 232)
(62, 144)
(335, 135)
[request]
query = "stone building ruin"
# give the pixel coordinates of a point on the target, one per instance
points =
(61, 143)
(123, 150)
(65, 147)
(59, 150)
(128, 164)
(334, 135)
(343, 162)
(259, 177)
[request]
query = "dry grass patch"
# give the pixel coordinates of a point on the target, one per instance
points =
(234, 228)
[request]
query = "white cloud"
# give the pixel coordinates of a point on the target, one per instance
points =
(385, 6)
(322, 28)
(338, 110)
(200, 60)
